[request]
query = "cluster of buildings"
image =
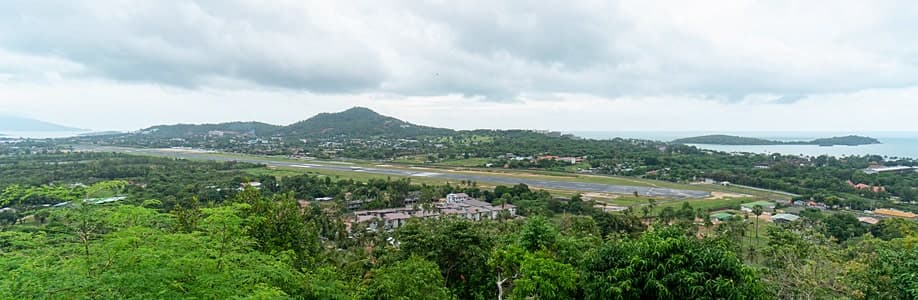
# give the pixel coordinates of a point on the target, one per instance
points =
(460, 205)
(567, 159)
(554, 134)
(222, 133)
(570, 160)
(335, 146)
(811, 204)
(777, 216)
(867, 187)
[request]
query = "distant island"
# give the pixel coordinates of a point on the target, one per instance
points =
(719, 139)
(100, 133)
(15, 123)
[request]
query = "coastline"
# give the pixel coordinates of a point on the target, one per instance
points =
(893, 143)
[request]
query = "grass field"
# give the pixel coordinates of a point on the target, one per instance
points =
(623, 200)
(358, 176)
(712, 204)
(536, 174)
(271, 171)
(469, 162)
(619, 200)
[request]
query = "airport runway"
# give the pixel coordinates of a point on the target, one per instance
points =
(537, 183)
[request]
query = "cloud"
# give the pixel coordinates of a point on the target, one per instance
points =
(501, 51)
(101, 105)
(191, 44)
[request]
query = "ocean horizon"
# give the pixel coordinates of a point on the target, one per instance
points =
(39, 134)
(894, 144)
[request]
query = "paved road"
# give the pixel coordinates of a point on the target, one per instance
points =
(539, 183)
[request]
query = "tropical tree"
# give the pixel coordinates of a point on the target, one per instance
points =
(542, 277)
(843, 226)
(801, 263)
(414, 278)
(458, 246)
(887, 272)
(665, 263)
(757, 211)
(538, 234)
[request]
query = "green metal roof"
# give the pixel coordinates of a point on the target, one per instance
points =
(722, 216)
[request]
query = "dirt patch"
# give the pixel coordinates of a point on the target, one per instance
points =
(723, 195)
(600, 195)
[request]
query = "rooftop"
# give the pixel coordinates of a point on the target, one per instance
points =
(478, 203)
(361, 219)
(764, 204)
(722, 216)
(396, 216)
(786, 217)
(888, 169)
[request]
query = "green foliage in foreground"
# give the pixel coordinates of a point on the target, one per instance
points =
(262, 247)
(245, 249)
(414, 278)
(667, 264)
(140, 258)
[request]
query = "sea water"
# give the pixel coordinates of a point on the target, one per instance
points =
(893, 144)
(39, 134)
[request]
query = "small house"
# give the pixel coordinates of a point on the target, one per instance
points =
(784, 218)
(749, 207)
(722, 216)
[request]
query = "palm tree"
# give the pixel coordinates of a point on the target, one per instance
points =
(757, 210)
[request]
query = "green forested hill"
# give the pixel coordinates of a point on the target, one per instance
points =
(185, 130)
(719, 139)
(851, 140)
(358, 122)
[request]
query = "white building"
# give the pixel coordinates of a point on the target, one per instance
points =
(457, 198)
(460, 205)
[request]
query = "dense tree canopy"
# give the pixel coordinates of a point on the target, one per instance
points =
(190, 229)
(668, 264)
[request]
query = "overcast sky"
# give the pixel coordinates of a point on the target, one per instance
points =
(566, 65)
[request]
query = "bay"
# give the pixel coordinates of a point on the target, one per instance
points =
(893, 144)
(38, 134)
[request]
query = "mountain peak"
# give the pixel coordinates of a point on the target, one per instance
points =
(359, 110)
(357, 122)
(356, 112)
